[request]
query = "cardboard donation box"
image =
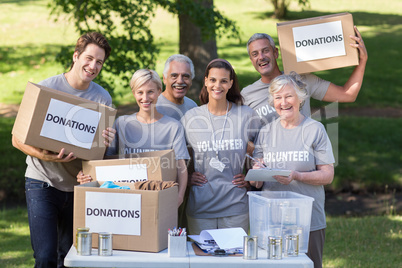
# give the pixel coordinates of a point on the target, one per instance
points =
(156, 165)
(316, 44)
(138, 219)
(52, 120)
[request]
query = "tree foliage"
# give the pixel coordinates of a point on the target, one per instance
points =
(126, 26)
(281, 7)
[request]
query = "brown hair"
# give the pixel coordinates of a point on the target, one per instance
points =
(92, 38)
(233, 94)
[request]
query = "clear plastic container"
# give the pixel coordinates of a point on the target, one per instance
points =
(280, 213)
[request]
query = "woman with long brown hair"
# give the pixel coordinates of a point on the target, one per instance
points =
(219, 132)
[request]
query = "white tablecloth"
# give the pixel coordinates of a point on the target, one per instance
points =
(161, 259)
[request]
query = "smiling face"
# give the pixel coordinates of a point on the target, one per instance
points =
(218, 83)
(147, 96)
(287, 103)
(87, 65)
(177, 81)
(263, 56)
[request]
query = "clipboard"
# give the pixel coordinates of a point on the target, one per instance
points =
(265, 174)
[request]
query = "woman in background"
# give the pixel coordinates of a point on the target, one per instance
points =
(218, 132)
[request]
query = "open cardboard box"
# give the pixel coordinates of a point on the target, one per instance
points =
(51, 119)
(316, 44)
(156, 165)
(138, 219)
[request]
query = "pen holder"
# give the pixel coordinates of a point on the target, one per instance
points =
(177, 246)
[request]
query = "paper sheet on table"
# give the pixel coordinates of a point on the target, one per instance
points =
(265, 174)
(225, 238)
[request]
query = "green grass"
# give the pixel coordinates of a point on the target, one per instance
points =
(15, 246)
(369, 153)
(13, 165)
(373, 241)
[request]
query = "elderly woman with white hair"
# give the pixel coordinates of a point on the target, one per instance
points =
(148, 130)
(300, 144)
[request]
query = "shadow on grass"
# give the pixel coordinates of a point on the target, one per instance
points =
(367, 152)
(13, 166)
(19, 2)
(17, 58)
(359, 18)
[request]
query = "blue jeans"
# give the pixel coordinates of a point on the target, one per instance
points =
(50, 216)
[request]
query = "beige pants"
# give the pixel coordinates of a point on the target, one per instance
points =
(195, 225)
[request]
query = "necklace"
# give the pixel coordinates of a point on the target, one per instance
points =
(223, 129)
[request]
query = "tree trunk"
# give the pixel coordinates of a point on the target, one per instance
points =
(280, 8)
(201, 52)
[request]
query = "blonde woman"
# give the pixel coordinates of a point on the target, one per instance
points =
(148, 130)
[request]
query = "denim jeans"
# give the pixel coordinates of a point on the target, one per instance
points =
(50, 216)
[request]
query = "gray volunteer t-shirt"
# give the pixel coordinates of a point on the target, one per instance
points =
(132, 136)
(256, 96)
(219, 197)
(301, 148)
(62, 176)
(176, 111)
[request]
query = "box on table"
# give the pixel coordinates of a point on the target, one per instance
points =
(316, 44)
(51, 119)
(156, 165)
(138, 219)
(278, 213)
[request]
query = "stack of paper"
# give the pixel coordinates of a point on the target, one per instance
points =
(228, 239)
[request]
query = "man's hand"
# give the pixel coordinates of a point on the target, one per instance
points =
(56, 157)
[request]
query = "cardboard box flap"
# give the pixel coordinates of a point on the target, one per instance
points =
(156, 165)
(169, 154)
(26, 112)
(316, 44)
(64, 95)
(313, 19)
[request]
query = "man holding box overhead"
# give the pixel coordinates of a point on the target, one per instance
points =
(50, 177)
(263, 54)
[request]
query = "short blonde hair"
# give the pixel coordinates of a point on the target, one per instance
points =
(143, 76)
(292, 79)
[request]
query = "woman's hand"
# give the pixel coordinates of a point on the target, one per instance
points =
(286, 180)
(82, 178)
(239, 181)
(197, 179)
(108, 134)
